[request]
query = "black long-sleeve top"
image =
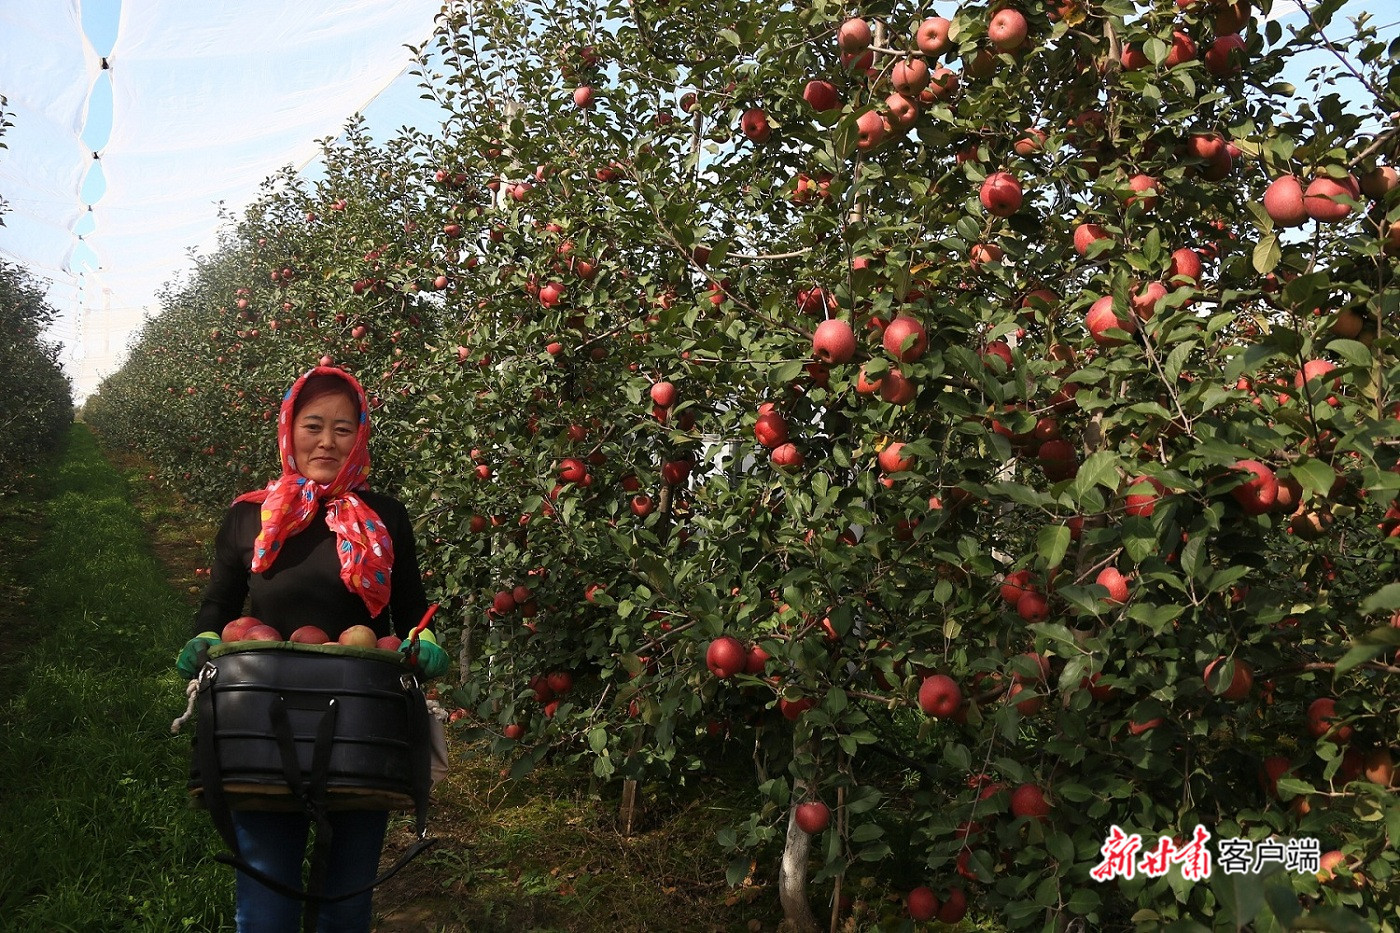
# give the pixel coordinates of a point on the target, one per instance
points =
(303, 585)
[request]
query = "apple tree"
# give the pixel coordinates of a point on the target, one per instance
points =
(984, 423)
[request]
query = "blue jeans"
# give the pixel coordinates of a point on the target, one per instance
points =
(275, 843)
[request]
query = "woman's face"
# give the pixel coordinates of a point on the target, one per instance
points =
(323, 435)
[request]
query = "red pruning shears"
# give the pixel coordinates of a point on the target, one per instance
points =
(412, 652)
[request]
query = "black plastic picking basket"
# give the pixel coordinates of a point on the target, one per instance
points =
(275, 717)
(310, 728)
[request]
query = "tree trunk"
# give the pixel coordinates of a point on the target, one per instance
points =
(792, 881)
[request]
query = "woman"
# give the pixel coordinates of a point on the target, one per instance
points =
(315, 547)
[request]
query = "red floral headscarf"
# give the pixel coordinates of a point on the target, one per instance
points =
(290, 502)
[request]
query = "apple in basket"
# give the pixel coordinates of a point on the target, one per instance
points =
(262, 633)
(310, 635)
(361, 636)
(237, 630)
(389, 643)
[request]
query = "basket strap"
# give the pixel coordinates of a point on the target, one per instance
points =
(421, 756)
(314, 796)
(210, 772)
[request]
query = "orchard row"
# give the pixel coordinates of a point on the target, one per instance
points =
(989, 419)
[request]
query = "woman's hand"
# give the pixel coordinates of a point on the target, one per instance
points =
(429, 658)
(192, 656)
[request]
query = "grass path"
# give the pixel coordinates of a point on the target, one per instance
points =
(91, 834)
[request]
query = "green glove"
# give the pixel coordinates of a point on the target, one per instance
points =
(192, 656)
(430, 660)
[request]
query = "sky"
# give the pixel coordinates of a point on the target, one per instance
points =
(113, 183)
(258, 129)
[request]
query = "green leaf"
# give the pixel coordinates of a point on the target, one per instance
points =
(1242, 893)
(1267, 254)
(1290, 787)
(1386, 599)
(1083, 901)
(1354, 352)
(1052, 542)
(1281, 898)
(1334, 920)
(1315, 476)
(737, 871)
(1367, 646)
(1100, 469)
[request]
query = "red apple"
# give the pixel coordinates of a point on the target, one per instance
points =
(551, 293)
(834, 341)
(1001, 194)
(1257, 494)
(1226, 55)
(756, 660)
(891, 459)
(1379, 182)
(1057, 460)
(854, 36)
(870, 130)
(921, 903)
(1033, 607)
(725, 656)
(812, 817)
(1016, 584)
(309, 635)
(754, 124)
(787, 457)
(583, 97)
(821, 95)
(1086, 234)
(1102, 318)
(905, 339)
(1145, 301)
(1111, 579)
(360, 636)
(1283, 201)
(1205, 146)
(792, 710)
(1142, 496)
(663, 394)
(770, 429)
(1241, 682)
(1320, 716)
(909, 76)
(1007, 29)
(572, 470)
(1183, 49)
(954, 908)
(1185, 266)
(387, 643)
(238, 628)
(942, 84)
(903, 111)
(932, 36)
(514, 731)
(262, 633)
(1133, 58)
(1029, 800)
(1140, 185)
(1322, 201)
(939, 695)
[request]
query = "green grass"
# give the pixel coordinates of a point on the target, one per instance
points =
(94, 830)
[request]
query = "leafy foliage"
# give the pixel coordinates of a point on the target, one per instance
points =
(519, 289)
